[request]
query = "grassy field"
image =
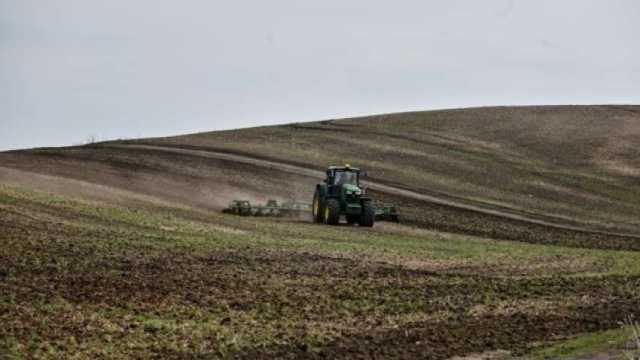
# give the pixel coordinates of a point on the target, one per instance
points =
(91, 279)
(113, 251)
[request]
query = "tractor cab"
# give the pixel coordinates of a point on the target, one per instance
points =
(343, 177)
(337, 176)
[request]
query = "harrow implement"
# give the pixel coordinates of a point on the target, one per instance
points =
(271, 208)
(387, 212)
(384, 212)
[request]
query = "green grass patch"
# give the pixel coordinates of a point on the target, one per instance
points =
(609, 342)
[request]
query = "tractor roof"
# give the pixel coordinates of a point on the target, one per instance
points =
(345, 167)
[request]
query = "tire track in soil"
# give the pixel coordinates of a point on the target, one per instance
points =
(384, 188)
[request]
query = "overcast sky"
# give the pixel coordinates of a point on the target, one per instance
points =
(70, 69)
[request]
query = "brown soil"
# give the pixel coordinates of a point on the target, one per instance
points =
(549, 175)
(301, 289)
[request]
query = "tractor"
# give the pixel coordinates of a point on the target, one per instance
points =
(340, 194)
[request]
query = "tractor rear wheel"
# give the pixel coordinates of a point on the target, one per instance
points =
(368, 216)
(317, 208)
(332, 212)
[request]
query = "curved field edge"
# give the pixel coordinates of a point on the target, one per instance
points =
(156, 280)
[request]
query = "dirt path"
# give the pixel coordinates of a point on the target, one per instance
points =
(372, 185)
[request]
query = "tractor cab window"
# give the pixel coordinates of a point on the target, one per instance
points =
(345, 177)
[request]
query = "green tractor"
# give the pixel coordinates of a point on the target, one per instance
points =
(341, 194)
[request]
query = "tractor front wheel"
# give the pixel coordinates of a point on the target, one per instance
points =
(332, 212)
(318, 209)
(368, 217)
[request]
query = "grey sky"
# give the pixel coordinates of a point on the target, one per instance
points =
(120, 68)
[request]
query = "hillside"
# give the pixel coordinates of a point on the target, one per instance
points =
(553, 161)
(573, 166)
(520, 231)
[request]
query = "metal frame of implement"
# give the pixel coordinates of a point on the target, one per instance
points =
(384, 212)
